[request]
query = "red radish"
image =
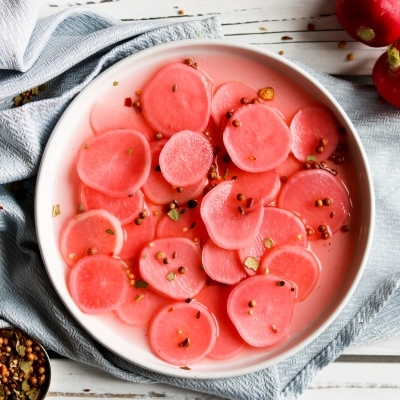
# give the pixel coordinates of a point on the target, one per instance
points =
(98, 284)
(177, 98)
(229, 343)
(249, 131)
(186, 158)
(261, 308)
(92, 232)
(386, 74)
(222, 265)
(314, 132)
(229, 225)
(124, 208)
(182, 334)
(116, 164)
(372, 22)
(172, 267)
(139, 307)
(294, 263)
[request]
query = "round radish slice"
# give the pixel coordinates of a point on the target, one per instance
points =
(139, 307)
(92, 232)
(115, 163)
(309, 126)
(98, 284)
(278, 227)
(257, 138)
(229, 225)
(159, 191)
(124, 208)
(186, 158)
(222, 265)
(177, 98)
(182, 334)
(294, 263)
(229, 343)
(228, 97)
(261, 308)
(301, 193)
(173, 267)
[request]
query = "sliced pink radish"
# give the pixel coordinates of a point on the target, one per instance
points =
(116, 164)
(176, 99)
(294, 263)
(278, 227)
(182, 333)
(124, 208)
(186, 158)
(229, 225)
(257, 138)
(172, 267)
(228, 97)
(98, 284)
(302, 192)
(309, 126)
(222, 265)
(229, 343)
(261, 308)
(92, 232)
(140, 306)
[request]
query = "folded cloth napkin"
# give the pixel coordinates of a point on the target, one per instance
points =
(66, 51)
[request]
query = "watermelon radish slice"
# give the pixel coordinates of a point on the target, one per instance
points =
(309, 126)
(182, 333)
(303, 189)
(124, 208)
(229, 343)
(176, 99)
(160, 265)
(159, 191)
(139, 307)
(227, 98)
(228, 226)
(294, 263)
(278, 227)
(115, 163)
(261, 308)
(260, 142)
(222, 265)
(92, 232)
(186, 158)
(98, 284)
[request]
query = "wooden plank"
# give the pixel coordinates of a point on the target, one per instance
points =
(381, 348)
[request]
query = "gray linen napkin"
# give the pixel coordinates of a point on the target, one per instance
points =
(67, 62)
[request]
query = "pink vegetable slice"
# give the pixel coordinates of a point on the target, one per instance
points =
(228, 226)
(222, 265)
(94, 231)
(261, 308)
(98, 284)
(186, 158)
(308, 126)
(176, 99)
(182, 334)
(116, 164)
(229, 343)
(303, 189)
(124, 208)
(160, 266)
(260, 141)
(294, 263)
(227, 98)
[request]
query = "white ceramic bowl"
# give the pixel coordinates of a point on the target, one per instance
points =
(57, 184)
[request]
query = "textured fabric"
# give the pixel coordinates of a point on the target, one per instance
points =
(67, 51)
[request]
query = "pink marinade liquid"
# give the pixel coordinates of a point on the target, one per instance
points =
(334, 254)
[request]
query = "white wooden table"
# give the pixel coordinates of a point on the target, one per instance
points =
(306, 30)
